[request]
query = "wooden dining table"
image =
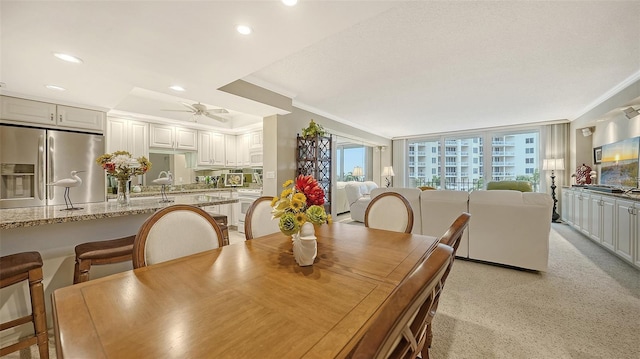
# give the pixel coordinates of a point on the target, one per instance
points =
(247, 300)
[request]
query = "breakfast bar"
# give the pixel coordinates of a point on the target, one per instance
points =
(54, 232)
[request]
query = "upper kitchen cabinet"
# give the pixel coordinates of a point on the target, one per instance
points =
(211, 149)
(15, 109)
(242, 150)
(231, 156)
(173, 137)
(128, 135)
(255, 140)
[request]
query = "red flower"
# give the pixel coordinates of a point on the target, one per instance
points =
(310, 188)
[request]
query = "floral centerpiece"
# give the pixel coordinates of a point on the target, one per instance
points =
(122, 166)
(301, 201)
(299, 207)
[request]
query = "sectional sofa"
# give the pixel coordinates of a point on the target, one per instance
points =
(507, 227)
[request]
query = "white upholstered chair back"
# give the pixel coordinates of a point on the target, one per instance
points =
(258, 219)
(390, 211)
(412, 195)
(173, 232)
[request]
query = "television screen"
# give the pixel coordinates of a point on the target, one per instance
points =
(619, 167)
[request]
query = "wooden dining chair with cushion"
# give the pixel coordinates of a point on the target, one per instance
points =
(99, 253)
(451, 238)
(453, 235)
(398, 330)
(390, 211)
(173, 232)
(258, 219)
(14, 269)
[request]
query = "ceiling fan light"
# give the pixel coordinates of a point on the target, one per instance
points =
(243, 29)
(177, 88)
(68, 58)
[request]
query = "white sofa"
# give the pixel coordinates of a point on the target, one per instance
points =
(506, 227)
(358, 196)
(342, 205)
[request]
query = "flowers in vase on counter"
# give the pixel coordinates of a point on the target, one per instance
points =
(301, 201)
(122, 165)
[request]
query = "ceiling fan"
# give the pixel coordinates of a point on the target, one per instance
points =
(198, 109)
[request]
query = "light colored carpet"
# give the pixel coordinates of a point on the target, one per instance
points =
(586, 306)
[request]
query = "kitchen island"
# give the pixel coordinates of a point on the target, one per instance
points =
(54, 232)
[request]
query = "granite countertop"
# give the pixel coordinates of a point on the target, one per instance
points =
(37, 216)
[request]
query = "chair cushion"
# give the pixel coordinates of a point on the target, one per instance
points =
(14, 264)
(105, 249)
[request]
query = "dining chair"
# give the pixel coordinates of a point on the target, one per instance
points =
(15, 268)
(173, 232)
(451, 238)
(258, 219)
(398, 328)
(390, 211)
(99, 253)
(453, 235)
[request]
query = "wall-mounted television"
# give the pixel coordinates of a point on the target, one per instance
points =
(620, 163)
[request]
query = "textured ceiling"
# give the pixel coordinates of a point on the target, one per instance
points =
(393, 68)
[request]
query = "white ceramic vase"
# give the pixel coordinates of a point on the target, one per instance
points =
(305, 246)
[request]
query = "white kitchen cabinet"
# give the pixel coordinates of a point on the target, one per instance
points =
(73, 117)
(255, 140)
(173, 137)
(567, 205)
(211, 149)
(601, 220)
(242, 150)
(231, 159)
(128, 135)
(627, 229)
(22, 110)
(580, 211)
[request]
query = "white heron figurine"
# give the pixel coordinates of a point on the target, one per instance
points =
(164, 181)
(73, 181)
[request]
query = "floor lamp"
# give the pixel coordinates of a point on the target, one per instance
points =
(553, 164)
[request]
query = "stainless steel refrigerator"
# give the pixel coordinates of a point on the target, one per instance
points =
(30, 158)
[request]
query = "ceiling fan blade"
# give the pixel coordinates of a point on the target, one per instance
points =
(221, 119)
(189, 107)
(217, 110)
(176, 110)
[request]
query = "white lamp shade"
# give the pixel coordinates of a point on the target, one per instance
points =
(551, 164)
(357, 171)
(388, 171)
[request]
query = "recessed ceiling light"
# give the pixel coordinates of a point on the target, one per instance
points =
(290, 2)
(68, 58)
(243, 29)
(177, 88)
(56, 88)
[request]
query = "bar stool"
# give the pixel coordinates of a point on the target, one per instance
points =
(101, 252)
(15, 268)
(222, 221)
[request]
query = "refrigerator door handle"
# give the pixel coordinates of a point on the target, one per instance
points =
(41, 174)
(50, 167)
